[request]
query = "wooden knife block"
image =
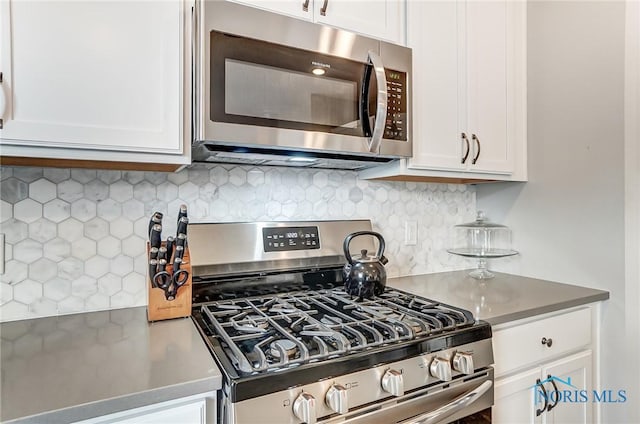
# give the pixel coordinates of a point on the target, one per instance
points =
(159, 308)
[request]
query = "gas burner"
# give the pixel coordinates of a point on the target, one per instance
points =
(283, 346)
(331, 320)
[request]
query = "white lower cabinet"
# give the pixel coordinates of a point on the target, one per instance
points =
(545, 369)
(191, 410)
(521, 399)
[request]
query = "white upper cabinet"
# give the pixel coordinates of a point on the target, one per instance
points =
(93, 80)
(469, 91)
(381, 19)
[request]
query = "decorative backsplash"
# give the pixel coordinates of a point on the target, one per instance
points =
(75, 238)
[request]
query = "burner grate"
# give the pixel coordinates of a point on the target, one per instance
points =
(273, 332)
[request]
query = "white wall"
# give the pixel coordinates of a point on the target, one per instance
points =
(568, 220)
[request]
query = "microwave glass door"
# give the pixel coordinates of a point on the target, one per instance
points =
(259, 83)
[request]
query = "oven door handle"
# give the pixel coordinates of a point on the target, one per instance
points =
(452, 407)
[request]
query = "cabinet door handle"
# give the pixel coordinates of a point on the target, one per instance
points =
(547, 342)
(3, 102)
(323, 9)
(544, 393)
(466, 153)
(555, 390)
(305, 6)
(477, 140)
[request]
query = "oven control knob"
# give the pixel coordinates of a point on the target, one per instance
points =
(336, 399)
(304, 407)
(441, 369)
(392, 382)
(463, 362)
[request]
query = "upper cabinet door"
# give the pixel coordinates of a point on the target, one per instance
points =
(379, 19)
(383, 19)
(433, 35)
(92, 75)
(302, 9)
(468, 94)
(489, 84)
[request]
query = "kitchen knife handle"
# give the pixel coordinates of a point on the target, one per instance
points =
(179, 253)
(162, 253)
(153, 269)
(170, 245)
(181, 240)
(176, 265)
(153, 253)
(155, 238)
(156, 218)
(182, 213)
(162, 265)
(182, 225)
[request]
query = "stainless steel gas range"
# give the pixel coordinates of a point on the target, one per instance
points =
(294, 347)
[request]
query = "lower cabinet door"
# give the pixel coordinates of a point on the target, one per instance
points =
(171, 412)
(515, 399)
(571, 400)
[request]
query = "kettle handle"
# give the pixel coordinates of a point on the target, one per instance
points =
(351, 236)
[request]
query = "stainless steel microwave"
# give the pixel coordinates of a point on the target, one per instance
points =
(274, 90)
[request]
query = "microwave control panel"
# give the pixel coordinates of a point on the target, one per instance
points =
(396, 125)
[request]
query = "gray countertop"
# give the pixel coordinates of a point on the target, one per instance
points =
(501, 299)
(74, 367)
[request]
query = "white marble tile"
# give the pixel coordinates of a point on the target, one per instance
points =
(95, 223)
(57, 289)
(14, 272)
(28, 251)
(57, 210)
(83, 248)
(27, 210)
(27, 291)
(42, 230)
(43, 270)
(42, 190)
(109, 284)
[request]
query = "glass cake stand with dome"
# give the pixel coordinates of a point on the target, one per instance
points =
(482, 240)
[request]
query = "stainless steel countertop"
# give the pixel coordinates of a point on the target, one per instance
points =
(75, 367)
(501, 299)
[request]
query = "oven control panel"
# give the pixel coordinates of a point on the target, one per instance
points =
(281, 239)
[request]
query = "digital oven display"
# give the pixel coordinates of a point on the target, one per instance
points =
(280, 239)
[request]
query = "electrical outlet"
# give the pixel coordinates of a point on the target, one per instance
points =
(410, 233)
(1, 253)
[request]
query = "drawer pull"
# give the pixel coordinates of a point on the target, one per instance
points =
(547, 342)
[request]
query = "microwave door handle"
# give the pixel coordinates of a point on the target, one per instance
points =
(452, 407)
(381, 102)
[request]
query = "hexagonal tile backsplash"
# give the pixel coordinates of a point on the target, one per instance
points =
(75, 239)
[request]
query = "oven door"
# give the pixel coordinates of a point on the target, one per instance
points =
(443, 403)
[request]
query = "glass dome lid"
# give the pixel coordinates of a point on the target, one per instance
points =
(481, 239)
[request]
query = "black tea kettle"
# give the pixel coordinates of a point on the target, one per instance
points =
(364, 277)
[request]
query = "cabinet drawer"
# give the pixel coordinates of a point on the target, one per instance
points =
(521, 345)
